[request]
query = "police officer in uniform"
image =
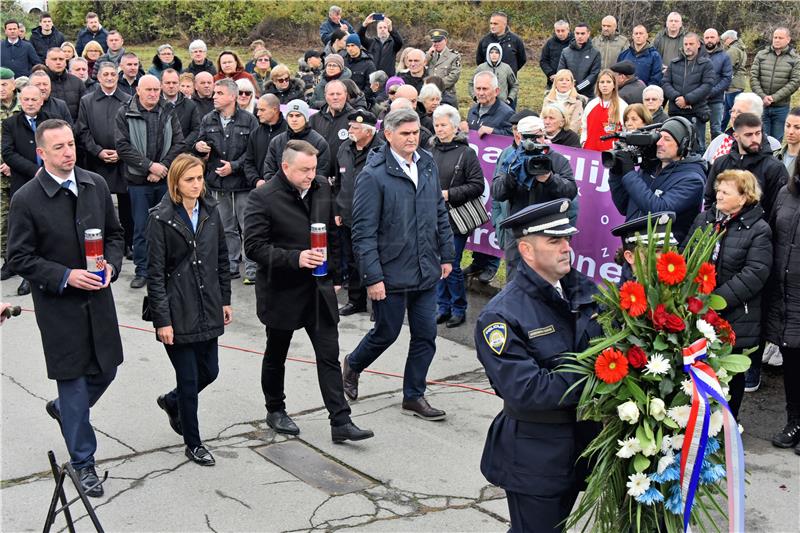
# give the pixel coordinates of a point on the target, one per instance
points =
(634, 234)
(546, 311)
(443, 62)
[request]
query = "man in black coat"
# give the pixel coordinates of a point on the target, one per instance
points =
(204, 93)
(185, 108)
(331, 121)
(130, 72)
(750, 153)
(297, 129)
(271, 124)
(65, 86)
(45, 36)
(551, 52)
(288, 295)
(359, 62)
(513, 48)
(629, 86)
(350, 160)
(384, 46)
(94, 133)
(583, 60)
(54, 107)
(74, 307)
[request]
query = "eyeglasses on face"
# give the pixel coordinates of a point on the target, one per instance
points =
(245, 93)
(281, 80)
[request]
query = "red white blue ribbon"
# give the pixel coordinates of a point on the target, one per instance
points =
(704, 385)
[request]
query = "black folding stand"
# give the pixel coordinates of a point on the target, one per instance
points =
(60, 474)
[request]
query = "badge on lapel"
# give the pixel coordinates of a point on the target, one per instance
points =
(495, 336)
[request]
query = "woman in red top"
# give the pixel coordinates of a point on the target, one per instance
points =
(230, 66)
(603, 114)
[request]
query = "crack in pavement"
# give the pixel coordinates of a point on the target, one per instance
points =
(115, 439)
(208, 524)
(23, 387)
(226, 497)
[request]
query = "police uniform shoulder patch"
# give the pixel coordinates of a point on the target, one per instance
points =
(495, 336)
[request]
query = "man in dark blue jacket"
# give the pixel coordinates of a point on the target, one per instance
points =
(17, 54)
(723, 72)
(332, 23)
(676, 185)
(92, 32)
(404, 245)
(533, 446)
(45, 36)
(646, 58)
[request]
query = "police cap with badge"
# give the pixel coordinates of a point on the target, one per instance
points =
(634, 232)
(548, 219)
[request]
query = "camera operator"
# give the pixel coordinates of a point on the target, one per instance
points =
(671, 180)
(533, 175)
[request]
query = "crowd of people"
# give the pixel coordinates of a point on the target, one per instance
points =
(220, 168)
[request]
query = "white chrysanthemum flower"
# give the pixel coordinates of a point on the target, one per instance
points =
(628, 448)
(715, 423)
(686, 387)
(650, 450)
(665, 462)
(628, 412)
(638, 484)
(666, 444)
(680, 414)
(677, 441)
(707, 330)
(657, 365)
(658, 409)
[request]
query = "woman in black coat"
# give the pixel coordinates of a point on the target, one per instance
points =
(556, 128)
(189, 291)
(283, 85)
(783, 315)
(461, 179)
(742, 258)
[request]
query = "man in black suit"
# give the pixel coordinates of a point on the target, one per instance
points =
(19, 147)
(74, 307)
(288, 295)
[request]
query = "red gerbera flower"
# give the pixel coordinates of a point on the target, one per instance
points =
(611, 366)
(671, 268)
(695, 305)
(706, 278)
(632, 298)
(636, 357)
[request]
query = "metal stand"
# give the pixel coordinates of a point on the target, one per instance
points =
(60, 474)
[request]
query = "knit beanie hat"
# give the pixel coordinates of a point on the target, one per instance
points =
(336, 59)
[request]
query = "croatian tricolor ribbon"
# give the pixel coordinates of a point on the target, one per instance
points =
(705, 384)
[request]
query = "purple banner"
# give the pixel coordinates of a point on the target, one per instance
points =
(594, 247)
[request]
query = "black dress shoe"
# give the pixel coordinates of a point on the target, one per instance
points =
(90, 483)
(50, 407)
(441, 318)
(421, 408)
(138, 282)
(235, 275)
(5, 272)
(350, 309)
(350, 380)
(174, 415)
(282, 423)
(129, 253)
(487, 276)
(24, 288)
(472, 270)
(456, 320)
(349, 431)
(201, 456)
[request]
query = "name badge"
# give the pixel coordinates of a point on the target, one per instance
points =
(547, 330)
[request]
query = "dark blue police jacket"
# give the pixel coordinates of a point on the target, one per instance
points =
(521, 335)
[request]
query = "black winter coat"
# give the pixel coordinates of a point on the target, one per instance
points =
(57, 108)
(188, 280)
(227, 146)
(567, 138)
(277, 229)
(349, 163)
(46, 227)
(513, 49)
(334, 129)
(189, 117)
(551, 54)
(743, 261)
(584, 62)
(196, 69)
(294, 91)
(383, 53)
(460, 171)
(783, 314)
(770, 173)
(360, 68)
(272, 161)
(42, 43)
(19, 148)
(68, 88)
(257, 146)
(94, 131)
(693, 80)
(158, 66)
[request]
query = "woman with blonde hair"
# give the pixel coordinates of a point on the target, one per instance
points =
(603, 114)
(186, 84)
(189, 293)
(91, 53)
(247, 95)
(282, 84)
(262, 68)
(564, 93)
(69, 50)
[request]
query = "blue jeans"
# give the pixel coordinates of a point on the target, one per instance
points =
(196, 366)
(75, 398)
(717, 111)
(143, 198)
(726, 115)
(774, 119)
(421, 306)
(451, 292)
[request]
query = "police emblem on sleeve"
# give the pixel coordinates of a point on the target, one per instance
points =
(495, 336)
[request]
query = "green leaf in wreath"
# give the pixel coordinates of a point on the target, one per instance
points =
(665, 387)
(640, 463)
(735, 363)
(607, 388)
(670, 423)
(717, 302)
(641, 434)
(636, 391)
(659, 344)
(648, 431)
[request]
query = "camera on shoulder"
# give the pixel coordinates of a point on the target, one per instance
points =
(632, 148)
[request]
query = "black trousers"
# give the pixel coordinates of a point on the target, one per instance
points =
(539, 514)
(324, 337)
(196, 367)
(356, 294)
(791, 381)
(125, 217)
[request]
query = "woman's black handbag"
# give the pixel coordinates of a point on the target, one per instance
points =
(468, 216)
(147, 316)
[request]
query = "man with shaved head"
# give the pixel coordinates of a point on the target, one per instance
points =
(611, 43)
(204, 93)
(775, 77)
(415, 59)
(331, 121)
(148, 137)
(723, 71)
(270, 124)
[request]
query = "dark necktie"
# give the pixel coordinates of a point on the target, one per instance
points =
(32, 122)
